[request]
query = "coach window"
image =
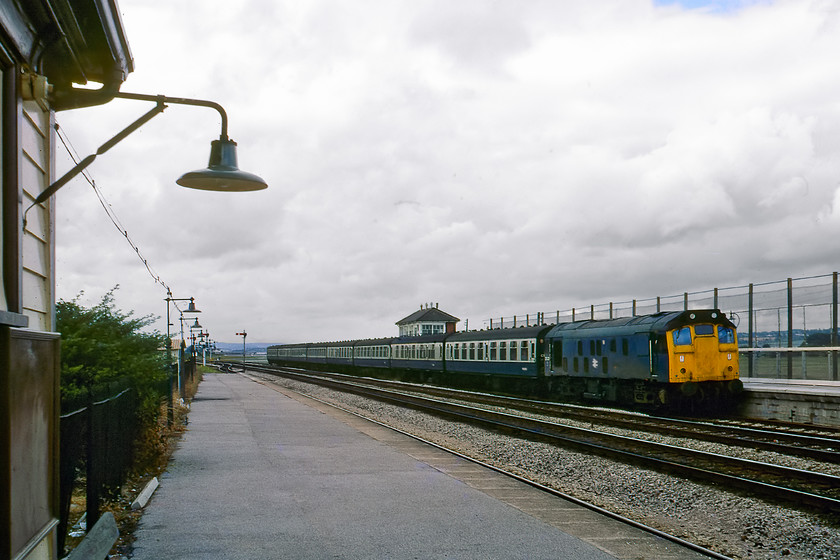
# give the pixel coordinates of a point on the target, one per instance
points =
(472, 350)
(523, 351)
(493, 351)
(464, 351)
(579, 348)
(612, 345)
(503, 351)
(480, 352)
(513, 350)
(591, 347)
(575, 364)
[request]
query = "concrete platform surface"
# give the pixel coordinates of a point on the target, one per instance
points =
(260, 475)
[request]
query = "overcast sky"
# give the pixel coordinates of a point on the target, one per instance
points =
(497, 157)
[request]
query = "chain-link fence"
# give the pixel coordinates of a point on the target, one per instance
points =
(786, 329)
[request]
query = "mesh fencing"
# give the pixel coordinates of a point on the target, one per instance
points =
(786, 329)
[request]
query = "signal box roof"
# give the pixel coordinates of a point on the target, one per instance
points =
(431, 314)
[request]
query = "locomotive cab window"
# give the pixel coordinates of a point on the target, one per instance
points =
(726, 335)
(682, 337)
(704, 330)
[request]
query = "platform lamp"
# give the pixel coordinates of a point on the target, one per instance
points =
(221, 174)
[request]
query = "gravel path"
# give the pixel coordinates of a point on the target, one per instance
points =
(737, 526)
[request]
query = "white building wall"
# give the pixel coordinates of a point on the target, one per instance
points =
(38, 247)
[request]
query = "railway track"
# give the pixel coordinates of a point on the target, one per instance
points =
(808, 489)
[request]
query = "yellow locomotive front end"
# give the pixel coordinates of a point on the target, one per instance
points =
(703, 352)
(703, 356)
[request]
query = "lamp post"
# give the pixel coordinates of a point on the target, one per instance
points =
(243, 334)
(190, 309)
(202, 339)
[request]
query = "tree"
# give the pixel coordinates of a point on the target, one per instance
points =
(102, 344)
(818, 339)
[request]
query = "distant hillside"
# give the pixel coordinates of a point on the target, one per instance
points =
(250, 347)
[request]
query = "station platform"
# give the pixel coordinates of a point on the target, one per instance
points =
(265, 473)
(792, 400)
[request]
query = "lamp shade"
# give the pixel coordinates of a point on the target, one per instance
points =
(191, 308)
(222, 173)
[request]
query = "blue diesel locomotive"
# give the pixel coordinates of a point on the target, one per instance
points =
(668, 358)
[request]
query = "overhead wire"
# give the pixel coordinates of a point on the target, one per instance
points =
(109, 210)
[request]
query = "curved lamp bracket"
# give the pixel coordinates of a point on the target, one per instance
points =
(221, 174)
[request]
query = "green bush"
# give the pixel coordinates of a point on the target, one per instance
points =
(101, 344)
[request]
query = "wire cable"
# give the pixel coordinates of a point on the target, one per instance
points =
(109, 210)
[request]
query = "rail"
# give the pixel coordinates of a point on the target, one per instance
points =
(771, 481)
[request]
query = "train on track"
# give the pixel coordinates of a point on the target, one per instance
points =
(682, 360)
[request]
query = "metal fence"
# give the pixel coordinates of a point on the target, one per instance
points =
(98, 433)
(786, 329)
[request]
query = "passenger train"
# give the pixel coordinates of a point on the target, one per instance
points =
(679, 360)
